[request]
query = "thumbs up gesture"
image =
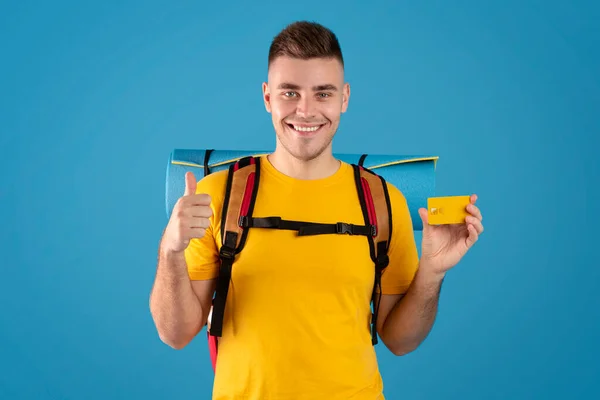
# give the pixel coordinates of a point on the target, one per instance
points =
(189, 219)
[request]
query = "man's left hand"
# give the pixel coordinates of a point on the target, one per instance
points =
(443, 246)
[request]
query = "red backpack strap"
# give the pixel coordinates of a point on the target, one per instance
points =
(375, 202)
(240, 196)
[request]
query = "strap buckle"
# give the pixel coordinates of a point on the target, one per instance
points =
(227, 252)
(343, 228)
(383, 261)
(244, 221)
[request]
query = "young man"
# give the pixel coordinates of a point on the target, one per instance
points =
(296, 322)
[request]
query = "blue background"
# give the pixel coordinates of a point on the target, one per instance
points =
(94, 96)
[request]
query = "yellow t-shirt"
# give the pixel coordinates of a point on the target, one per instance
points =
(296, 323)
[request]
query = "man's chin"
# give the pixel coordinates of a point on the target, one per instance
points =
(306, 153)
(304, 147)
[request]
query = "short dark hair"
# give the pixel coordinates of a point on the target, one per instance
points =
(306, 40)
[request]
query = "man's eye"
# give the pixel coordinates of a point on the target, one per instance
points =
(323, 95)
(289, 94)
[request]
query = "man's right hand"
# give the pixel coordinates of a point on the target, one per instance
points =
(189, 219)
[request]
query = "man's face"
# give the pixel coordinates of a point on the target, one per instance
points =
(306, 99)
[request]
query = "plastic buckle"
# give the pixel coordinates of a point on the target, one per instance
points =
(244, 221)
(227, 252)
(342, 227)
(383, 261)
(373, 230)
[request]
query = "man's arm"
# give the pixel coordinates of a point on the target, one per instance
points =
(179, 306)
(410, 296)
(404, 321)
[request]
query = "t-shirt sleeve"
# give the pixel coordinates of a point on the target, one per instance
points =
(403, 255)
(202, 254)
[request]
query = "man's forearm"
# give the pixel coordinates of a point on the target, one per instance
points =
(175, 308)
(412, 318)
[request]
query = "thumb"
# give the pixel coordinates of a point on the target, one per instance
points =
(424, 218)
(190, 184)
(423, 215)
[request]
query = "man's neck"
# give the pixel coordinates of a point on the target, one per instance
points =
(321, 167)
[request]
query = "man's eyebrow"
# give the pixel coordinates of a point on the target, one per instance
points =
(321, 88)
(289, 86)
(318, 88)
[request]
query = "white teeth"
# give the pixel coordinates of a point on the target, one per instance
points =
(306, 129)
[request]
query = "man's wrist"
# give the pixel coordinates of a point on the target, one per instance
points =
(428, 274)
(167, 251)
(170, 254)
(172, 260)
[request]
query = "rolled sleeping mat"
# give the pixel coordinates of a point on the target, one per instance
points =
(413, 175)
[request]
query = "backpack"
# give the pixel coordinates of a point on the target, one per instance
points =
(237, 218)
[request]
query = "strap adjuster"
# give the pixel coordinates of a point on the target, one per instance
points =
(373, 230)
(227, 252)
(244, 221)
(382, 261)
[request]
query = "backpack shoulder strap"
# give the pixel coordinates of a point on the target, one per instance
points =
(375, 203)
(240, 196)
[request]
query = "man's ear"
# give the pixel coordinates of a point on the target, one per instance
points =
(345, 97)
(266, 96)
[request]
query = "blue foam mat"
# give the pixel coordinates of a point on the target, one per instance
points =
(414, 175)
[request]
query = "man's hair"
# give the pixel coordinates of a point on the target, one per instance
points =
(305, 40)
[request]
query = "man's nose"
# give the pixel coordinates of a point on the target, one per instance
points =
(305, 107)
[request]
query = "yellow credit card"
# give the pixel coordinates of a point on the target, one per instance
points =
(447, 210)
